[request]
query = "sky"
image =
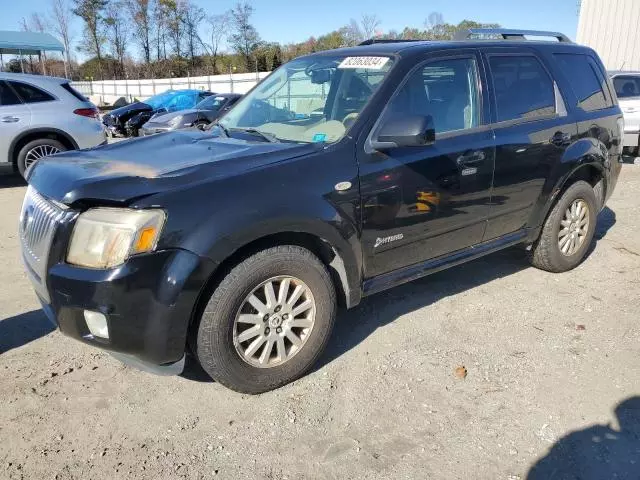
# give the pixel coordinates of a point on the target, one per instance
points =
(288, 21)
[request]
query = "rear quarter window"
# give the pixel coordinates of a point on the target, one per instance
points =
(588, 84)
(31, 94)
(74, 92)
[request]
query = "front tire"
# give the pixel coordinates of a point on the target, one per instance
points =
(568, 230)
(268, 321)
(35, 150)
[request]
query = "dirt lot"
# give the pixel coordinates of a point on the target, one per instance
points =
(547, 356)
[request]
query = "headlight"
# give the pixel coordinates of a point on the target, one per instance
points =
(174, 122)
(107, 237)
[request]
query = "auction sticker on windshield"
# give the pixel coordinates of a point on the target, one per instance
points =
(371, 63)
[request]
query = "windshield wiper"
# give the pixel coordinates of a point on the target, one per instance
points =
(269, 137)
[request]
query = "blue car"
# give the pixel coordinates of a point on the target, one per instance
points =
(127, 120)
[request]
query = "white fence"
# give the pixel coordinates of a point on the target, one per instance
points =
(108, 91)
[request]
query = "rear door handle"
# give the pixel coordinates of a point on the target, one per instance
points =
(471, 158)
(10, 119)
(561, 139)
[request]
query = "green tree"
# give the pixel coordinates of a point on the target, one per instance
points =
(91, 12)
(244, 38)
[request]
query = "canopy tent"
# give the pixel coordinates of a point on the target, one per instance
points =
(28, 43)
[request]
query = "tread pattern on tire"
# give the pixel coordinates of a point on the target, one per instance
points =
(213, 349)
(542, 252)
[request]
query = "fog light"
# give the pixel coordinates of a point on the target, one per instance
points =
(97, 324)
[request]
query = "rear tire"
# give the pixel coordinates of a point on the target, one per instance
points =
(565, 239)
(245, 367)
(35, 150)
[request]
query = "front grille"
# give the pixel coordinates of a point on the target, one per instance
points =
(39, 220)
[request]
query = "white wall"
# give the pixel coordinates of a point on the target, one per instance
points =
(108, 91)
(611, 28)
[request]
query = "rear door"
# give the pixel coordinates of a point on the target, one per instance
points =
(15, 117)
(532, 130)
(628, 90)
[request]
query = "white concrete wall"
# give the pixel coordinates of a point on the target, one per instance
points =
(108, 91)
(612, 28)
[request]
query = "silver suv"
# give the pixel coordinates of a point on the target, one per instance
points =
(40, 116)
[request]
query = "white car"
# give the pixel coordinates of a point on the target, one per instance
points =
(41, 116)
(627, 86)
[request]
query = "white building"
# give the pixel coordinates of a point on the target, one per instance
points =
(611, 28)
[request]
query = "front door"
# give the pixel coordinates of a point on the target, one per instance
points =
(419, 203)
(15, 117)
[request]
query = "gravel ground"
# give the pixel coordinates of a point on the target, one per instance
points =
(547, 356)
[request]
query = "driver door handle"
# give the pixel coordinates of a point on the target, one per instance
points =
(10, 119)
(471, 158)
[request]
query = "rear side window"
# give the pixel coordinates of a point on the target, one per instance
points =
(74, 92)
(587, 83)
(7, 96)
(627, 86)
(31, 94)
(523, 88)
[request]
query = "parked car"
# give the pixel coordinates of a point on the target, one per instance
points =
(41, 116)
(203, 114)
(240, 243)
(127, 120)
(627, 86)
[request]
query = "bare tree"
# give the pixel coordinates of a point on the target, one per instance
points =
(369, 26)
(91, 12)
(218, 29)
(142, 25)
(192, 18)
(244, 38)
(174, 21)
(60, 18)
(117, 32)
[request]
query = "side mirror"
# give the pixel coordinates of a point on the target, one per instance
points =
(405, 131)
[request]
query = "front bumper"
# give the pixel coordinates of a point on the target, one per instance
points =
(148, 302)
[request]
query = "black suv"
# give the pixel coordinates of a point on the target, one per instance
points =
(342, 174)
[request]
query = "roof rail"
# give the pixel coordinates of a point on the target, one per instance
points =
(508, 34)
(373, 41)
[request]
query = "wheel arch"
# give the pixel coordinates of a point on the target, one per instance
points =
(340, 264)
(584, 160)
(36, 134)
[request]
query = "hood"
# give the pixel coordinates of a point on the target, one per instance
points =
(167, 117)
(132, 107)
(124, 171)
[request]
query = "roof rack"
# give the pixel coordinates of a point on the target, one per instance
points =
(373, 41)
(508, 34)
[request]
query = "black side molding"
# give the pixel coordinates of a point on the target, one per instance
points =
(413, 272)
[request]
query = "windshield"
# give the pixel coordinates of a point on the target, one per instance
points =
(211, 103)
(310, 99)
(627, 86)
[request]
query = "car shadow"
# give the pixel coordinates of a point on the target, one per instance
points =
(354, 326)
(22, 329)
(597, 452)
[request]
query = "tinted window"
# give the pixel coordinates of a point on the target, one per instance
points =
(30, 94)
(523, 88)
(7, 96)
(74, 92)
(627, 86)
(586, 82)
(446, 90)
